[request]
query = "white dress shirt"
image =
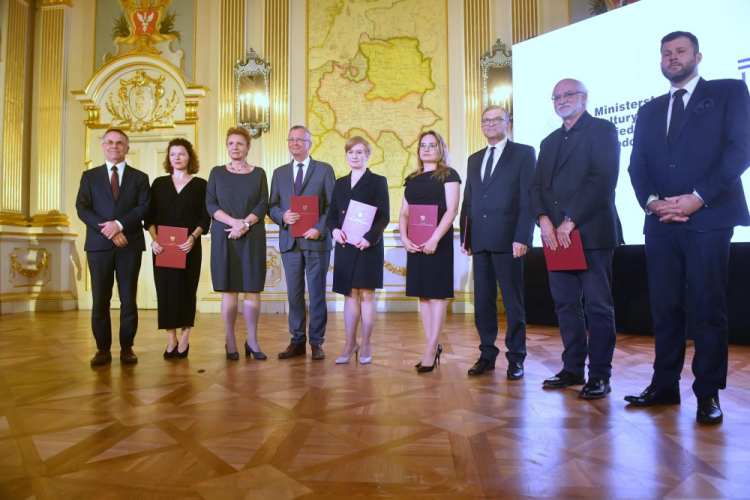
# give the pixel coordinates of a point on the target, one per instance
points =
(499, 147)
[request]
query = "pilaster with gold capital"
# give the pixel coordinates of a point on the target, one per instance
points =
(48, 135)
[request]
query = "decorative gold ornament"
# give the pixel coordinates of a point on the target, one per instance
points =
(272, 263)
(397, 270)
(15, 267)
(140, 108)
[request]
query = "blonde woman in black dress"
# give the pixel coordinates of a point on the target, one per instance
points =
(358, 265)
(429, 267)
(178, 200)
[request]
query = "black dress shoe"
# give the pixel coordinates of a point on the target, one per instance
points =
(564, 379)
(102, 357)
(170, 354)
(515, 370)
(709, 411)
(293, 350)
(128, 357)
(595, 388)
(653, 397)
(482, 366)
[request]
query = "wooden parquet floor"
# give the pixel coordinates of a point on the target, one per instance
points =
(207, 428)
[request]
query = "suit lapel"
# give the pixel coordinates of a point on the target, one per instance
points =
(697, 97)
(361, 183)
(573, 141)
(308, 174)
(504, 158)
(103, 180)
(663, 107)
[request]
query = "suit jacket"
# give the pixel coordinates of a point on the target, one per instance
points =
(581, 183)
(710, 154)
(319, 180)
(501, 214)
(95, 204)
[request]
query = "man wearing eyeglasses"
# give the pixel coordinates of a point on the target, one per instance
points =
(310, 254)
(689, 150)
(112, 200)
(574, 188)
(497, 207)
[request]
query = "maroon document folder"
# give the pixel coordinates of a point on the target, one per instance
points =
(467, 234)
(422, 223)
(307, 208)
(566, 259)
(170, 238)
(358, 221)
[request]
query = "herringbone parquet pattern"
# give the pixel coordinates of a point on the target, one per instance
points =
(209, 428)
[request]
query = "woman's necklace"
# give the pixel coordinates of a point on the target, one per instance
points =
(241, 167)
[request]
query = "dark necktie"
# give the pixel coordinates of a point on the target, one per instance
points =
(488, 168)
(298, 179)
(678, 110)
(114, 181)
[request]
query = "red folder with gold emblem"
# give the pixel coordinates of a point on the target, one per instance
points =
(170, 238)
(422, 223)
(307, 208)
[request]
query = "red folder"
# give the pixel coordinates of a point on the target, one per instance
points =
(170, 238)
(358, 221)
(566, 259)
(307, 208)
(467, 234)
(422, 223)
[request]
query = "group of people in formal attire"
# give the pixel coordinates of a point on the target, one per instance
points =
(690, 148)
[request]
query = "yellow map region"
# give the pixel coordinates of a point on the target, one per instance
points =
(377, 69)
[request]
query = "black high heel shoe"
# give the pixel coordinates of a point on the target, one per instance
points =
(426, 369)
(256, 354)
(233, 356)
(170, 354)
(181, 355)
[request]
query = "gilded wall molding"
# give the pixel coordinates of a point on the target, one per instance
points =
(13, 157)
(53, 32)
(276, 41)
(476, 41)
(232, 48)
(525, 15)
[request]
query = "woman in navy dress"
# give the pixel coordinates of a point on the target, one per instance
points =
(429, 267)
(358, 263)
(178, 200)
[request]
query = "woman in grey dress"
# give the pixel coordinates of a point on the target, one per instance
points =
(237, 199)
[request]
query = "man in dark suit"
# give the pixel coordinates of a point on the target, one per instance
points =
(574, 188)
(690, 148)
(310, 254)
(497, 202)
(112, 201)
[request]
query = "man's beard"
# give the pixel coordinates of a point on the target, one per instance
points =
(679, 77)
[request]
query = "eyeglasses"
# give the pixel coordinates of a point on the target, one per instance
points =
(119, 144)
(488, 122)
(292, 140)
(425, 147)
(566, 95)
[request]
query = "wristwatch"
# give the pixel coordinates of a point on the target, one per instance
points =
(247, 224)
(568, 219)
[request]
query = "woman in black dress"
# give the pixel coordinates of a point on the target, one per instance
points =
(178, 200)
(358, 262)
(429, 267)
(237, 199)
